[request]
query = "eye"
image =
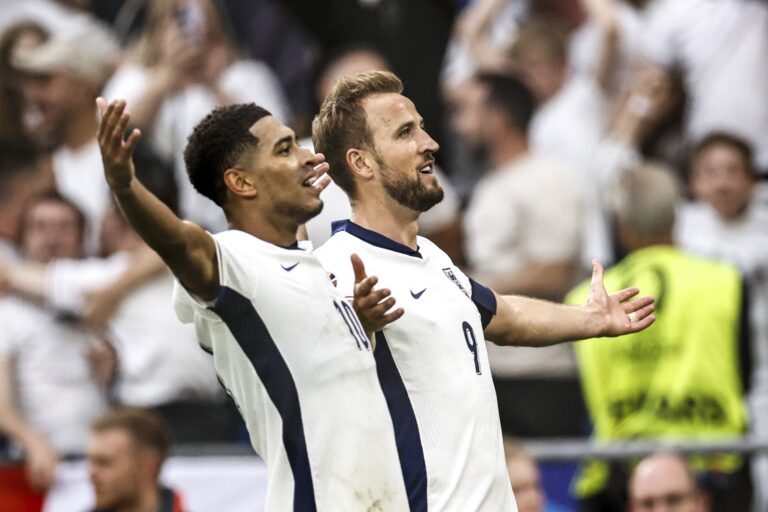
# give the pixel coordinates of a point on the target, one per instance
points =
(405, 132)
(285, 150)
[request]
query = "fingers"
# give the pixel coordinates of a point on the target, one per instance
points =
(392, 316)
(319, 158)
(625, 294)
(101, 105)
(596, 286)
(637, 304)
(321, 169)
(322, 183)
(114, 121)
(643, 322)
(358, 268)
(130, 144)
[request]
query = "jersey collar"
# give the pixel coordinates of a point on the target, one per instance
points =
(373, 238)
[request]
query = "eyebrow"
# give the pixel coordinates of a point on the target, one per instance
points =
(288, 138)
(409, 124)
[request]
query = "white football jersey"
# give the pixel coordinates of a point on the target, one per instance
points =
(433, 368)
(293, 356)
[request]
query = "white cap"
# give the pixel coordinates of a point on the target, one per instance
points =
(88, 55)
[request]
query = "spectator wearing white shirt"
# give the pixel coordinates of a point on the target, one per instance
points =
(727, 222)
(720, 47)
(64, 77)
(49, 392)
(522, 235)
(183, 65)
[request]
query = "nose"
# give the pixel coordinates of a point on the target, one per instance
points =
(307, 157)
(428, 144)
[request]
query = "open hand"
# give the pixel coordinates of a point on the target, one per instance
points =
(620, 315)
(372, 306)
(116, 151)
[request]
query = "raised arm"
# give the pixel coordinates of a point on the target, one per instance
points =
(530, 322)
(187, 249)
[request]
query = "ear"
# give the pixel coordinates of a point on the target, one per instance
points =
(240, 183)
(360, 162)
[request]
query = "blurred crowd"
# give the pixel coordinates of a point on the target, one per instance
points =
(630, 131)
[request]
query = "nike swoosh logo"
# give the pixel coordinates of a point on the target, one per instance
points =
(418, 294)
(288, 269)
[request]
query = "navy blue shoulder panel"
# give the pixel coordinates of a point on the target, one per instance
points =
(484, 300)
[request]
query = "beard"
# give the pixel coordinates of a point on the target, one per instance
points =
(411, 194)
(300, 213)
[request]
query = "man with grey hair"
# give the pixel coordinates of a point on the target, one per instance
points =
(684, 376)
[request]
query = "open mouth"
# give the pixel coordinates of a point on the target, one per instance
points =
(309, 181)
(427, 169)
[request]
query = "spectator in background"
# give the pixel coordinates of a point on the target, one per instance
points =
(720, 48)
(22, 176)
(664, 482)
(65, 75)
(686, 375)
(184, 64)
(522, 233)
(572, 108)
(126, 452)
(48, 390)
(160, 365)
(525, 478)
(726, 221)
(16, 38)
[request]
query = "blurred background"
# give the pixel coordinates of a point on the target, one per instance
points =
(630, 131)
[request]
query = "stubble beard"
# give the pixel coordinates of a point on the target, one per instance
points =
(300, 213)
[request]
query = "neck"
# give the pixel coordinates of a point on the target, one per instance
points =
(395, 222)
(81, 130)
(506, 149)
(274, 231)
(148, 500)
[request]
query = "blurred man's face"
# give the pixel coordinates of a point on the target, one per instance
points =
(721, 178)
(662, 484)
(350, 64)
(526, 484)
(114, 469)
(54, 100)
(469, 113)
(51, 230)
(403, 151)
(542, 73)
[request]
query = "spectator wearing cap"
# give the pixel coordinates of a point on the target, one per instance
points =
(64, 77)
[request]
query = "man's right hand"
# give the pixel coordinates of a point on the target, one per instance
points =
(116, 151)
(372, 306)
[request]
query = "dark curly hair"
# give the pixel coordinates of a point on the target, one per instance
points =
(217, 143)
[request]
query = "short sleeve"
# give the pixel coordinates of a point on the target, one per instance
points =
(485, 301)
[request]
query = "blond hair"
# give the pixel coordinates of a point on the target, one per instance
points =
(341, 123)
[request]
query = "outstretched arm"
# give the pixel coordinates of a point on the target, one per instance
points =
(187, 249)
(530, 322)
